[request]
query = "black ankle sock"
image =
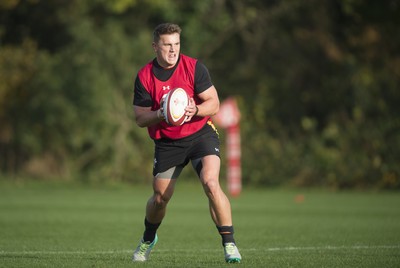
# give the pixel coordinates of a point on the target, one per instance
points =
(150, 231)
(226, 233)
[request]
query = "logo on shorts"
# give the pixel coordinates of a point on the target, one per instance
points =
(155, 162)
(216, 149)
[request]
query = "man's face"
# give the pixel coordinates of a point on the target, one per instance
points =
(167, 50)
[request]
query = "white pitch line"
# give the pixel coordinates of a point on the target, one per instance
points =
(128, 251)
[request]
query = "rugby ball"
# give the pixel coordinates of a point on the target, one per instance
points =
(174, 106)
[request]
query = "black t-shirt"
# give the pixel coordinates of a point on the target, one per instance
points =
(202, 81)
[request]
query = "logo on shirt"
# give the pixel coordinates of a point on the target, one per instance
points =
(165, 88)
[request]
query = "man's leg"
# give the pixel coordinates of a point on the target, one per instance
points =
(163, 190)
(156, 207)
(220, 207)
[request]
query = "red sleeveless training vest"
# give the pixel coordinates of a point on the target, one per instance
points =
(182, 77)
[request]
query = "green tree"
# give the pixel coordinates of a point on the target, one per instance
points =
(317, 84)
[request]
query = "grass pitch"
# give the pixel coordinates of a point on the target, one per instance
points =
(63, 225)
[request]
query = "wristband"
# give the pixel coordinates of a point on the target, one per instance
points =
(197, 111)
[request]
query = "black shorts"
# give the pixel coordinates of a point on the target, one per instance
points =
(171, 153)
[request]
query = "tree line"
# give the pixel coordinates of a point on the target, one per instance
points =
(317, 84)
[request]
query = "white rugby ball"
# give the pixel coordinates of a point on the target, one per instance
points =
(174, 106)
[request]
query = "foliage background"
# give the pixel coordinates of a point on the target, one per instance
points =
(317, 83)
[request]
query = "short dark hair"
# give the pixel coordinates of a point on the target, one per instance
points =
(165, 28)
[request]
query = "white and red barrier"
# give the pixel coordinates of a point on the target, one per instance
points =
(228, 118)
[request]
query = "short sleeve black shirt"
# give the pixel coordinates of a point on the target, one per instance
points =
(202, 81)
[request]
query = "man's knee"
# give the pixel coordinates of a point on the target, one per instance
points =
(211, 187)
(161, 200)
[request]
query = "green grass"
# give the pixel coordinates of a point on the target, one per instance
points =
(63, 225)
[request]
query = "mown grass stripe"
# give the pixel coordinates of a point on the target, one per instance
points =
(127, 251)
